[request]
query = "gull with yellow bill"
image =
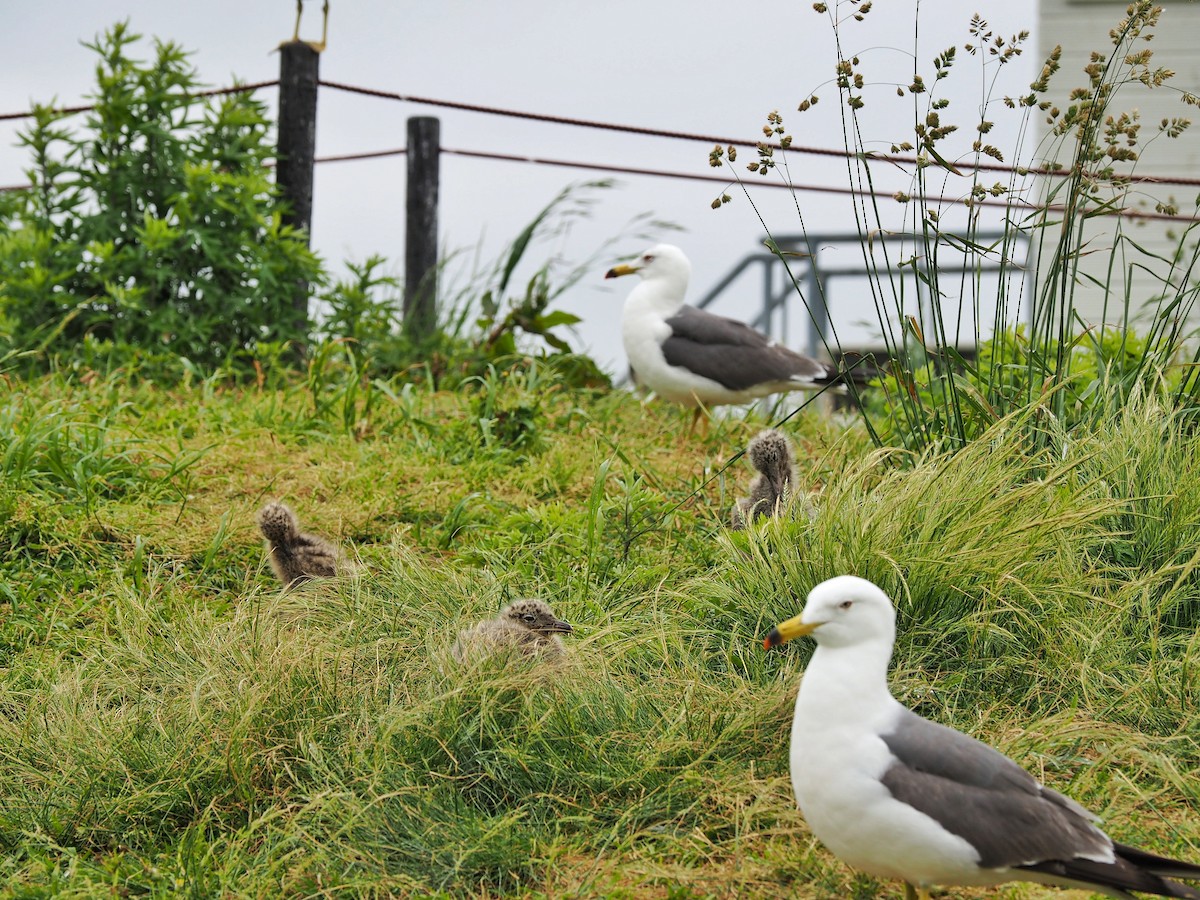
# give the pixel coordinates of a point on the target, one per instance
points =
(693, 357)
(898, 796)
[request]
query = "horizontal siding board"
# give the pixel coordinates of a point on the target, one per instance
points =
(1082, 26)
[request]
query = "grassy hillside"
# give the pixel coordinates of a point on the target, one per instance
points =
(172, 723)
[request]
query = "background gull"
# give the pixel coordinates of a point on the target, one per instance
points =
(695, 358)
(901, 797)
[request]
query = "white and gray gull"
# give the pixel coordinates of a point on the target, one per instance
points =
(693, 357)
(901, 797)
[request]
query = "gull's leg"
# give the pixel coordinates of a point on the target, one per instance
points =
(912, 893)
(324, 23)
(695, 418)
(299, 13)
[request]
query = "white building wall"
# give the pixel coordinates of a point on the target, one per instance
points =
(1082, 26)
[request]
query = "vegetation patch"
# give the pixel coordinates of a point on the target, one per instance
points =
(173, 721)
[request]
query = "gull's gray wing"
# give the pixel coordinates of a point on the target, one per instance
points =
(734, 355)
(1013, 821)
(985, 798)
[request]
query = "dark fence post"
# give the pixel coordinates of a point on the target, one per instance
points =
(299, 67)
(421, 234)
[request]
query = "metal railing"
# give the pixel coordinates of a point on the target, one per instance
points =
(810, 268)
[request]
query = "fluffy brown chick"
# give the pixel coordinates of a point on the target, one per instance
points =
(295, 556)
(771, 454)
(527, 625)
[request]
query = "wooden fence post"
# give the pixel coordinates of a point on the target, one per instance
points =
(299, 67)
(421, 228)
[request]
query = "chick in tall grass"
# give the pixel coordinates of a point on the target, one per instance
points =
(295, 556)
(529, 626)
(771, 454)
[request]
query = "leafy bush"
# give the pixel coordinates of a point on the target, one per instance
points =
(154, 227)
(151, 239)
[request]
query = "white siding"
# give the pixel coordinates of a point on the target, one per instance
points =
(1082, 26)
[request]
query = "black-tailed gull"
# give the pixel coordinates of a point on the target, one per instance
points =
(695, 358)
(901, 797)
(527, 625)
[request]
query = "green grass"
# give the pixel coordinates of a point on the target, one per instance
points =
(171, 724)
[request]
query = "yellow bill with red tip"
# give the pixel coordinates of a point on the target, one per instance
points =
(786, 631)
(618, 271)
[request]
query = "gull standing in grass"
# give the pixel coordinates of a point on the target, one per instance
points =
(771, 455)
(695, 358)
(527, 625)
(295, 556)
(901, 797)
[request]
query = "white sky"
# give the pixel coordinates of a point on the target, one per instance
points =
(688, 65)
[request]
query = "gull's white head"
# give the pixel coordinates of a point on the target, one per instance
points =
(662, 262)
(840, 612)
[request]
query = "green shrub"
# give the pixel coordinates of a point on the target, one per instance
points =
(155, 227)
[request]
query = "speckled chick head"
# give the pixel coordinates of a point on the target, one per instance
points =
(536, 616)
(278, 523)
(771, 454)
(294, 555)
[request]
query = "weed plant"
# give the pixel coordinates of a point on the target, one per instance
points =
(961, 352)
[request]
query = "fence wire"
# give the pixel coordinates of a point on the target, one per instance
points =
(964, 168)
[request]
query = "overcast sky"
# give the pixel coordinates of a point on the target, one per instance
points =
(686, 65)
